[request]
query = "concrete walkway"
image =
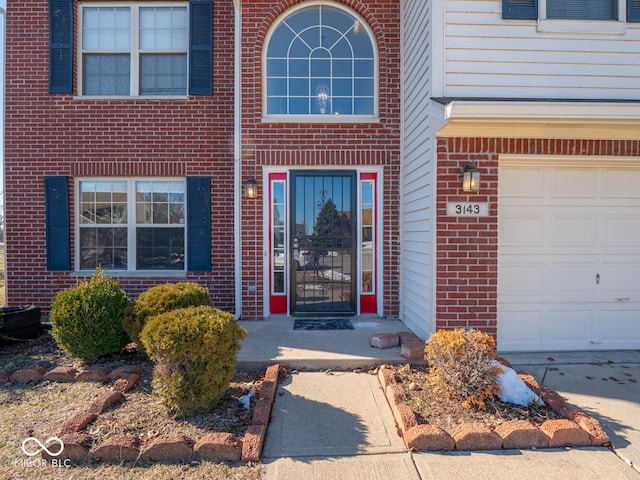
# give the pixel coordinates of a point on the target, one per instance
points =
(337, 425)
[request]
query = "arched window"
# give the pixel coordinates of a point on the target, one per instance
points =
(321, 60)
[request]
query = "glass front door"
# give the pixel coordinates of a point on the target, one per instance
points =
(322, 238)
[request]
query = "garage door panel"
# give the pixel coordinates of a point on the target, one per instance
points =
(573, 183)
(573, 230)
(621, 281)
(621, 183)
(522, 279)
(522, 230)
(570, 326)
(619, 327)
(521, 329)
(621, 230)
(522, 183)
(571, 281)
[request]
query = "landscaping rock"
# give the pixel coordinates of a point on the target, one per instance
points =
(104, 401)
(554, 400)
(406, 337)
(404, 416)
(385, 340)
(27, 375)
(563, 433)
(520, 434)
(93, 374)
(412, 350)
(386, 376)
(124, 385)
(476, 436)
(395, 394)
(78, 422)
(4, 375)
(61, 374)
(76, 448)
(222, 446)
(124, 372)
(253, 443)
(426, 438)
(169, 448)
(118, 448)
(597, 435)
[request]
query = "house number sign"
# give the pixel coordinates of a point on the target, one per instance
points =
(467, 209)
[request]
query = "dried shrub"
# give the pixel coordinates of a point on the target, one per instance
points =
(160, 299)
(460, 365)
(195, 353)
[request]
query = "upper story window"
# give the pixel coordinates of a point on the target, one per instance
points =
(321, 60)
(577, 16)
(134, 50)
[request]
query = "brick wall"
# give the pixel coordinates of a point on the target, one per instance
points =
(62, 135)
(467, 248)
(319, 145)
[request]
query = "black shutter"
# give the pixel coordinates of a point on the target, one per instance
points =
(198, 224)
(200, 47)
(524, 9)
(60, 46)
(633, 10)
(57, 223)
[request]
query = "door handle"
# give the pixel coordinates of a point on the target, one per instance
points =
(597, 278)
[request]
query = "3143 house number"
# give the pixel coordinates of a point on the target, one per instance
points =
(467, 209)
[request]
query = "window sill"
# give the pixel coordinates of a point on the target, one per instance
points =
(133, 274)
(129, 98)
(593, 27)
(320, 119)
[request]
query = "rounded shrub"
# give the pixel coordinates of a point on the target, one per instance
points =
(195, 353)
(86, 319)
(160, 299)
(460, 363)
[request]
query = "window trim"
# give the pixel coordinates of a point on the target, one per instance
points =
(131, 225)
(603, 27)
(310, 118)
(134, 48)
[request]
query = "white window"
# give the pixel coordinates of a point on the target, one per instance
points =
(131, 224)
(321, 60)
(134, 50)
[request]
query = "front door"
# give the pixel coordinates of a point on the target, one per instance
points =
(322, 238)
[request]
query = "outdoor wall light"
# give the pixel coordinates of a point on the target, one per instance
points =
(470, 178)
(251, 188)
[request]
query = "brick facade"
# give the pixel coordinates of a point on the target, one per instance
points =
(50, 134)
(467, 248)
(319, 145)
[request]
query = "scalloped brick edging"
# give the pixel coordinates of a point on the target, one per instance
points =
(576, 429)
(165, 448)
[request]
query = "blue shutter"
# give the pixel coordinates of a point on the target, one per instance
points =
(57, 223)
(200, 48)
(633, 10)
(523, 9)
(60, 46)
(198, 224)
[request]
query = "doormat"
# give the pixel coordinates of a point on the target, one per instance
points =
(322, 324)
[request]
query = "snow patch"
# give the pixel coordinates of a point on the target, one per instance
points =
(513, 389)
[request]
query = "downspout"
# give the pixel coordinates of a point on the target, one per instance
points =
(237, 156)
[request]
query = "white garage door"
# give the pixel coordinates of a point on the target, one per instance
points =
(569, 255)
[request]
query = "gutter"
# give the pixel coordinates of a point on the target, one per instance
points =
(237, 156)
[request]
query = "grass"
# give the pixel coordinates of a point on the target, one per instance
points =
(41, 410)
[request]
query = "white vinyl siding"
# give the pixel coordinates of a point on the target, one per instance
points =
(487, 56)
(417, 171)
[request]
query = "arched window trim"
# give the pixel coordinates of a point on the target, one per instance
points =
(312, 118)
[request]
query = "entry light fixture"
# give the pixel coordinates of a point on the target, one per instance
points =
(470, 178)
(251, 188)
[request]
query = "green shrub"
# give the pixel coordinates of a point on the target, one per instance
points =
(161, 299)
(195, 353)
(461, 365)
(86, 319)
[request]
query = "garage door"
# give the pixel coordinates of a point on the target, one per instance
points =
(569, 255)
